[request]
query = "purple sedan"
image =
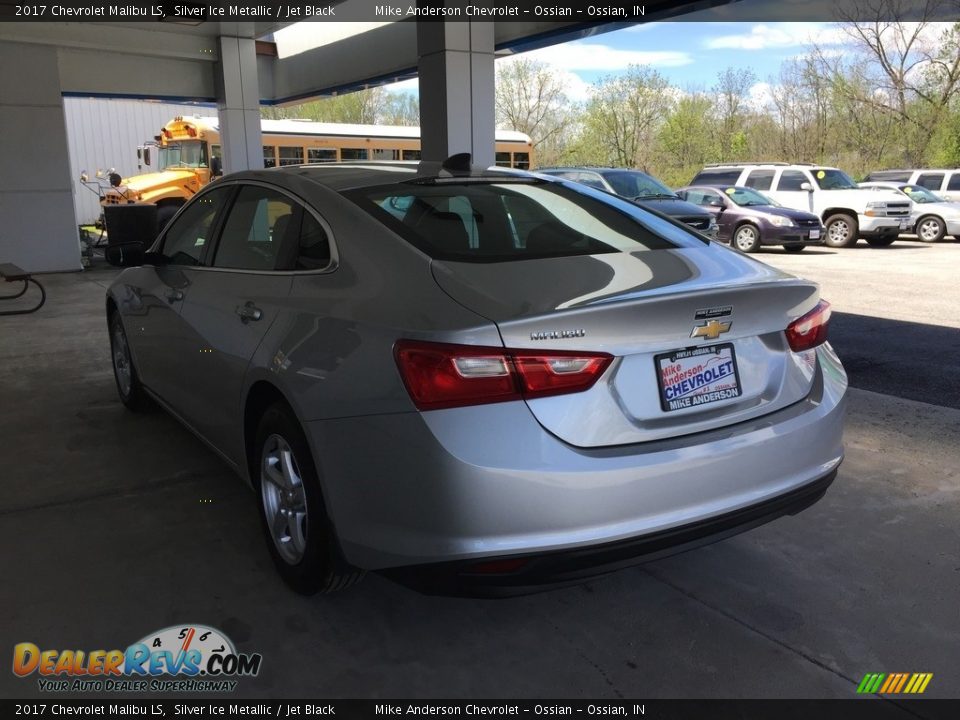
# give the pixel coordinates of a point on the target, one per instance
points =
(749, 219)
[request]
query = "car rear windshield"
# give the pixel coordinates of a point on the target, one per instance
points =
(512, 219)
(633, 184)
(717, 176)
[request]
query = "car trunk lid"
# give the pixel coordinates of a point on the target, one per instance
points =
(645, 308)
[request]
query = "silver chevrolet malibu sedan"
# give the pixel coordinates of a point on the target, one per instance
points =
(477, 382)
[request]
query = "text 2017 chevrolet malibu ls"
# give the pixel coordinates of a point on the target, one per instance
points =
(478, 381)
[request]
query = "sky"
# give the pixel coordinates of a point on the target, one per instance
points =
(688, 54)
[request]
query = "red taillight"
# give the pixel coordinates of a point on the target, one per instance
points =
(439, 375)
(809, 330)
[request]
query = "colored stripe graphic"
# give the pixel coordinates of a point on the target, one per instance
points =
(894, 683)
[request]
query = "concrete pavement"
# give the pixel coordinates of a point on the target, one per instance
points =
(114, 525)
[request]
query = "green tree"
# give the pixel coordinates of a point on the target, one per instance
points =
(532, 98)
(687, 139)
(625, 113)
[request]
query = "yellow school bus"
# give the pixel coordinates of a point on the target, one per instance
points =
(188, 154)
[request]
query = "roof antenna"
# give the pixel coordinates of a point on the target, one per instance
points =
(459, 163)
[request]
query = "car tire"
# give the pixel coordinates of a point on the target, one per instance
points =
(746, 238)
(299, 534)
(795, 248)
(129, 387)
(931, 229)
(840, 231)
(881, 240)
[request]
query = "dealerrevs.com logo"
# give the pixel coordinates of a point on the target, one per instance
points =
(180, 658)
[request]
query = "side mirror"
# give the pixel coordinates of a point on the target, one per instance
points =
(716, 202)
(806, 186)
(216, 167)
(126, 254)
(153, 258)
(146, 156)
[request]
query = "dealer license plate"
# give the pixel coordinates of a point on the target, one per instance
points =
(697, 376)
(814, 234)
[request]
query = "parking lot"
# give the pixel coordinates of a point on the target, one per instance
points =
(124, 524)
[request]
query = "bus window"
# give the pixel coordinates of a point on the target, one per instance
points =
(521, 160)
(415, 155)
(321, 155)
(291, 156)
(503, 159)
(353, 153)
(269, 156)
(384, 154)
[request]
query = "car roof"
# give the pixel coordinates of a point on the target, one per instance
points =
(589, 168)
(807, 166)
(352, 175)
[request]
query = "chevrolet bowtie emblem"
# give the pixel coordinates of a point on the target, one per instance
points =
(711, 329)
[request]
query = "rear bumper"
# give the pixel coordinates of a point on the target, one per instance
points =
(566, 567)
(466, 484)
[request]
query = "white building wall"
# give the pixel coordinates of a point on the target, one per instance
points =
(105, 133)
(37, 228)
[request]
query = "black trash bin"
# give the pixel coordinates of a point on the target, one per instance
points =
(131, 229)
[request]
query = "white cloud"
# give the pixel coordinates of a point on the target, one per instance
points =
(593, 56)
(761, 96)
(411, 85)
(576, 88)
(779, 35)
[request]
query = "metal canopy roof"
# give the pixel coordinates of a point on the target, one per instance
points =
(176, 61)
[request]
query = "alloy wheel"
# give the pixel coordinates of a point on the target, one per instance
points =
(284, 501)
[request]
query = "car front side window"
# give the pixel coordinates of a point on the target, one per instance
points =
(187, 236)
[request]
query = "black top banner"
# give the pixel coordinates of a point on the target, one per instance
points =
(863, 709)
(192, 12)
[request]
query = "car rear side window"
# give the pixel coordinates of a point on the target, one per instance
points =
(931, 181)
(516, 220)
(260, 224)
(717, 176)
(954, 182)
(791, 180)
(759, 179)
(313, 249)
(184, 242)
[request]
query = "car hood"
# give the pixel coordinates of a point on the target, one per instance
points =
(157, 179)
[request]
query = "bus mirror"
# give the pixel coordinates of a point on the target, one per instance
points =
(216, 168)
(146, 156)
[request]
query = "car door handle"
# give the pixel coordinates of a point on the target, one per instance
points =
(249, 312)
(174, 295)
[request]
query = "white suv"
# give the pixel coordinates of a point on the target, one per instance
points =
(945, 182)
(848, 211)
